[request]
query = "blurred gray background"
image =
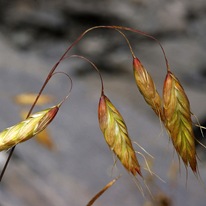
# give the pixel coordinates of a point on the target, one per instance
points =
(33, 36)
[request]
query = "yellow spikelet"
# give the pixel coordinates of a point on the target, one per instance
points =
(42, 137)
(178, 121)
(147, 87)
(27, 129)
(116, 135)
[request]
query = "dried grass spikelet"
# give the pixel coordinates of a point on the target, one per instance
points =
(116, 135)
(28, 128)
(147, 87)
(178, 120)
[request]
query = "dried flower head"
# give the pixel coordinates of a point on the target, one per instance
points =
(26, 129)
(116, 135)
(147, 87)
(178, 120)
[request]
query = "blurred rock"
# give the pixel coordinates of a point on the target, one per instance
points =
(35, 33)
(71, 17)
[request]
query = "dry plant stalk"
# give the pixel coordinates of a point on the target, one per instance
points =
(147, 87)
(178, 120)
(116, 135)
(26, 129)
(91, 202)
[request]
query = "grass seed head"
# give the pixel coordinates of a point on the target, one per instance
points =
(147, 87)
(116, 135)
(178, 120)
(26, 129)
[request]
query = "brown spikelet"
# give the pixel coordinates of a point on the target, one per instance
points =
(147, 87)
(116, 135)
(27, 129)
(178, 121)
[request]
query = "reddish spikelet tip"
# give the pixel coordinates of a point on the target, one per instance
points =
(136, 63)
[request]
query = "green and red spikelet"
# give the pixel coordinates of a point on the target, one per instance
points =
(116, 135)
(26, 129)
(178, 120)
(147, 87)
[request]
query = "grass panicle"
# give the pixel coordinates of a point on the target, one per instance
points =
(173, 109)
(178, 120)
(116, 135)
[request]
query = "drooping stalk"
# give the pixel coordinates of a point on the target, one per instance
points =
(93, 65)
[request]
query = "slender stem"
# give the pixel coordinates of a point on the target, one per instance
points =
(7, 162)
(130, 47)
(80, 37)
(95, 67)
(120, 28)
(90, 203)
(70, 89)
(141, 33)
